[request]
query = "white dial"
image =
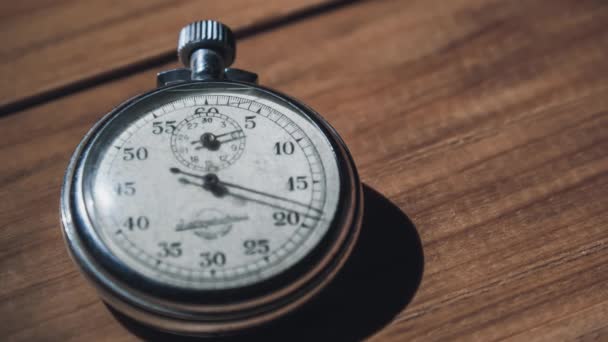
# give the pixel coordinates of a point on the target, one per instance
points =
(214, 190)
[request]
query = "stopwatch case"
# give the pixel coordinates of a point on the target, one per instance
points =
(206, 312)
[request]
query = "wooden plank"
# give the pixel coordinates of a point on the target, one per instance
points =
(48, 45)
(484, 121)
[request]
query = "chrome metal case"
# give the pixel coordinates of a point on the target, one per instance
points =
(203, 312)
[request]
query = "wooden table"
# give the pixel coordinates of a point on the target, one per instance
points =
(485, 122)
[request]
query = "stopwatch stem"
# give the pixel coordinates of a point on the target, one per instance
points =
(206, 65)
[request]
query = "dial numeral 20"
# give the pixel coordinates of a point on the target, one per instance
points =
(283, 218)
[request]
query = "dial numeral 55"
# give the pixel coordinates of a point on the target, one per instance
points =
(160, 127)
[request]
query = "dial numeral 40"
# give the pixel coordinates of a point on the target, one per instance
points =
(141, 223)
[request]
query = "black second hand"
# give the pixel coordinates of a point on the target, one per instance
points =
(176, 170)
(186, 181)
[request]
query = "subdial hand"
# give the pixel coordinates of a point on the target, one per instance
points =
(213, 142)
(219, 188)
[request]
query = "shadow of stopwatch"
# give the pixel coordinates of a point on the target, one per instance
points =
(377, 282)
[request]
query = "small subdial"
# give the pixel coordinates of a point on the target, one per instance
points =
(208, 141)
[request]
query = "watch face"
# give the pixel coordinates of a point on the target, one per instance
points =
(210, 185)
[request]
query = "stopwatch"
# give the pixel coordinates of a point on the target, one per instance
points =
(210, 205)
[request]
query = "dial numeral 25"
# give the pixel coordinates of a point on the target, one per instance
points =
(125, 189)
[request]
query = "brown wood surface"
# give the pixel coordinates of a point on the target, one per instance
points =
(51, 44)
(486, 122)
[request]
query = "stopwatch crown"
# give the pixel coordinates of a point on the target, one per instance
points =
(209, 35)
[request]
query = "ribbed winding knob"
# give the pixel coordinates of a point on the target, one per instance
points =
(206, 34)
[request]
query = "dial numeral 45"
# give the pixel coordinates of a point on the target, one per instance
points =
(125, 189)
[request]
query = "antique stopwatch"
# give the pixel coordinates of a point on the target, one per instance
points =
(210, 205)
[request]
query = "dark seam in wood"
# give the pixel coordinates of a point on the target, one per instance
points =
(17, 53)
(164, 58)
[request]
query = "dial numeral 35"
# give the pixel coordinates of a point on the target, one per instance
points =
(170, 249)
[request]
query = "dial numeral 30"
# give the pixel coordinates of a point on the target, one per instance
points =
(212, 259)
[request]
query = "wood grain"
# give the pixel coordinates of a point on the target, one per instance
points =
(485, 121)
(50, 44)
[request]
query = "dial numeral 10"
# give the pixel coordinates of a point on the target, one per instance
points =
(284, 148)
